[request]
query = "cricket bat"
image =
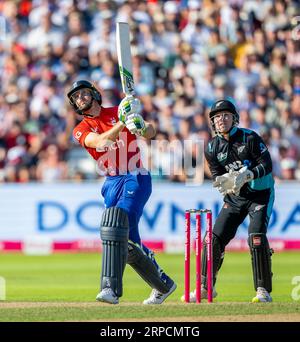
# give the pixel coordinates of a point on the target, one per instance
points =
(124, 58)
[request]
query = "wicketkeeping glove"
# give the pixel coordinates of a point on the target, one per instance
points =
(135, 124)
(127, 106)
(225, 183)
(243, 176)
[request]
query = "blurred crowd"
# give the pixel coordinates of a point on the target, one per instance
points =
(186, 55)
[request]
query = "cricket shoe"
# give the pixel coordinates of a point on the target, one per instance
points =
(157, 297)
(204, 295)
(107, 295)
(262, 296)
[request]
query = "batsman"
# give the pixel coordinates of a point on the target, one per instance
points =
(110, 136)
(241, 168)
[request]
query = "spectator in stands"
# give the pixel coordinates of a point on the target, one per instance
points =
(186, 55)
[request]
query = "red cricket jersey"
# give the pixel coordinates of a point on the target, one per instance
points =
(120, 157)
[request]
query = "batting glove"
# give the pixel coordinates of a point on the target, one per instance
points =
(135, 124)
(127, 106)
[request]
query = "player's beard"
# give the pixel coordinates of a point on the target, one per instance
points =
(86, 106)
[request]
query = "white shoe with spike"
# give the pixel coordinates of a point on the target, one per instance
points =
(157, 297)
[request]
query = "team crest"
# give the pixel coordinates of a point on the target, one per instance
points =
(221, 156)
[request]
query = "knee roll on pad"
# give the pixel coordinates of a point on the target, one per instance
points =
(261, 260)
(114, 234)
(144, 266)
(218, 257)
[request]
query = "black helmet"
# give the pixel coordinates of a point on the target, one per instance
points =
(223, 105)
(80, 85)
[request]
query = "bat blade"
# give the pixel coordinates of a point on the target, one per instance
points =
(124, 58)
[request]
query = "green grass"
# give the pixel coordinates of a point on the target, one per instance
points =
(130, 312)
(74, 278)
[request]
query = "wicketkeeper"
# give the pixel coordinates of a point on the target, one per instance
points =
(109, 135)
(241, 168)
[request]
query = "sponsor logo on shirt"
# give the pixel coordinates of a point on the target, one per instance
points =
(236, 165)
(111, 146)
(241, 149)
